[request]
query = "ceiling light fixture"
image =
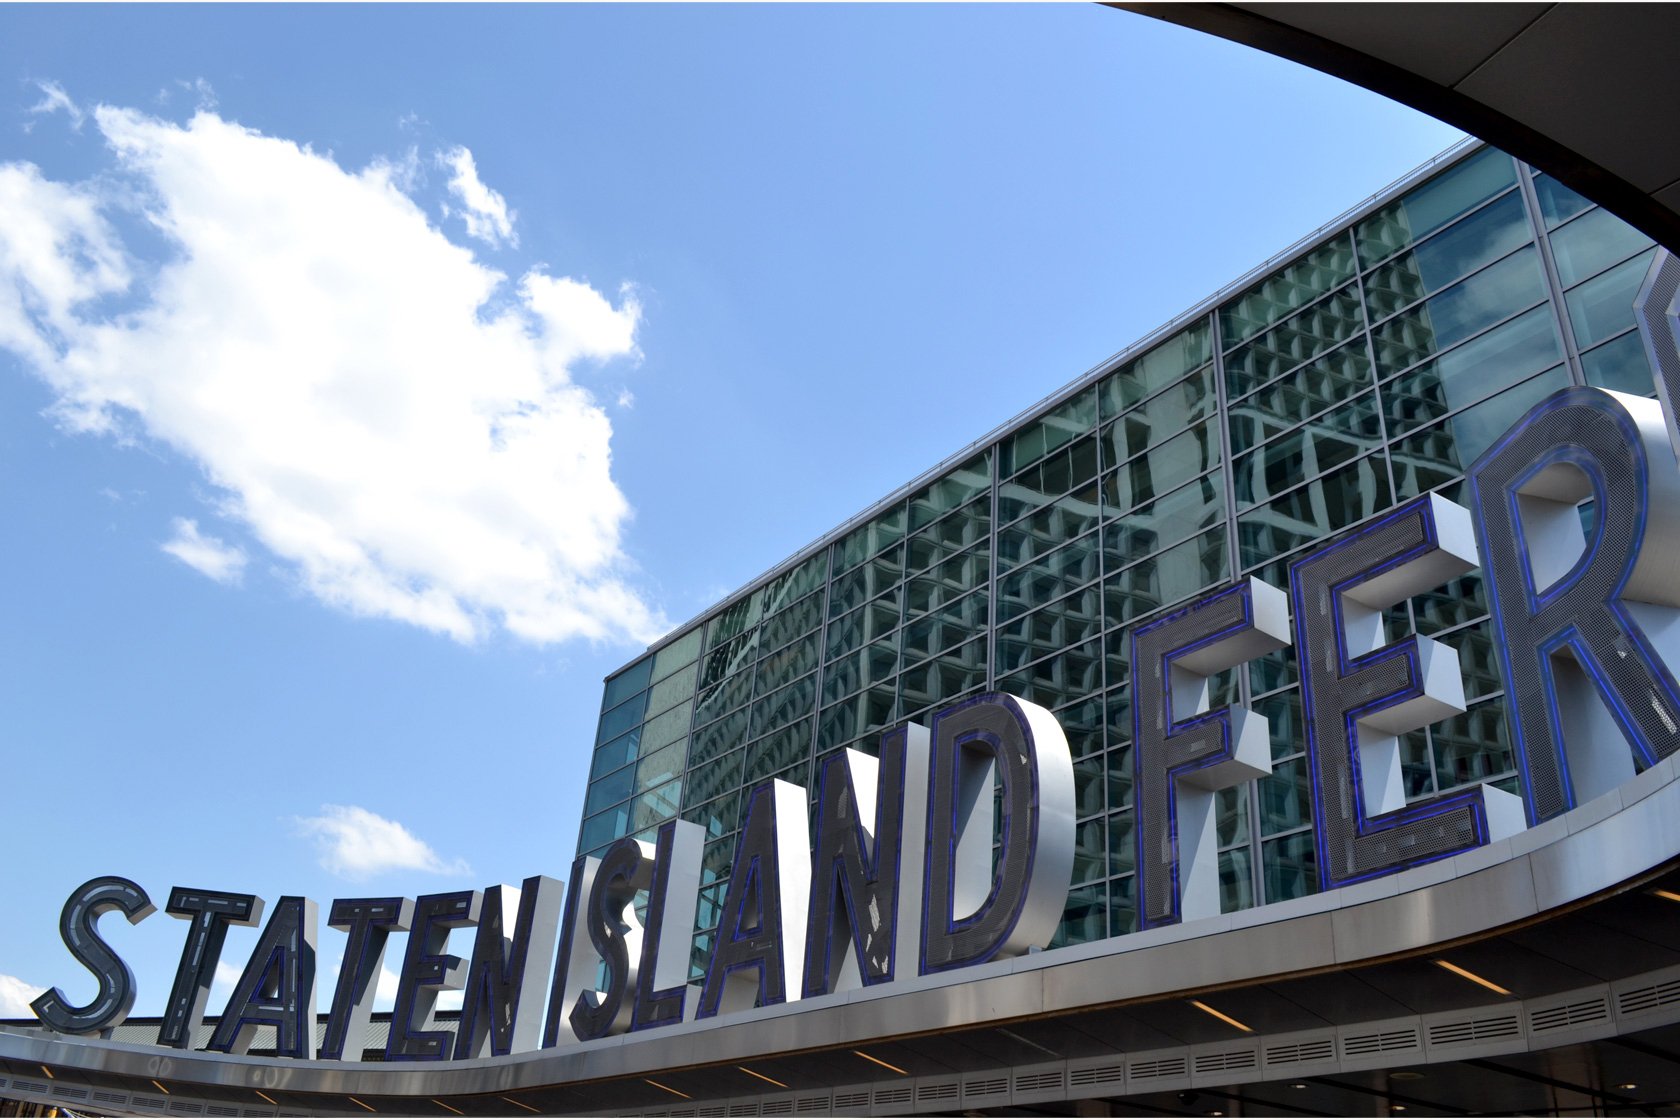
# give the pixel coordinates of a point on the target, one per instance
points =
(528, 1108)
(1473, 978)
(1671, 896)
(761, 1077)
(364, 1104)
(440, 1104)
(259, 1093)
(885, 1065)
(667, 1088)
(161, 1089)
(1221, 1016)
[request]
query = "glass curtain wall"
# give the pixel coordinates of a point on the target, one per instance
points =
(1374, 366)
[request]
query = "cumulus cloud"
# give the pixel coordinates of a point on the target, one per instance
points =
(484, 211)
(15, 995)
(357, 844)
(394, 420)
(209, 556)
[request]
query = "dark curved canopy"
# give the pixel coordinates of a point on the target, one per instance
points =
(1587, 92)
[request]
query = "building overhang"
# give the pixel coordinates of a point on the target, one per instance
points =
(1568, 917)
(1582, 91)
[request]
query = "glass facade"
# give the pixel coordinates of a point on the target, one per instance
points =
(1372, 367)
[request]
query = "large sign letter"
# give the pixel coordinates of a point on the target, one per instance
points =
(277, 988)
(662, 977)
(1185, 753)
(762, 930)
(1360, 695)
(427, 970)
(974, 914)
(868, 814)
(505, 978)
(367, 923)
(626, 868)
(210, 914)
(1573, 612)
(116, 980)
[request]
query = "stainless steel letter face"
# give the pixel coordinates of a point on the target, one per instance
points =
(574, 963)
(662, 977)
(762, 930)
(626, 868)
(867, 814)
(1657, 311)
(427, 970)
(1184, 752)
(76, 924)
(973, 915)
(1579, 619)
(505, 977)
(368, 923)
(277, 988)
(1360, 695)
(210, 914)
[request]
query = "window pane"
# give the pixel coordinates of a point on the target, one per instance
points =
(1070, 467)
(661, 765)
(1486, 235)
(1592, 243)
(611, 756)
(1161, 418)
(1620, 365)
(1171, 464)
(1333, 502)
(674, 689)
(677, 654)
(1602, 308)
(1070, 516)
(621, 718)
(949, 535)
(1329, 441)
(1287, 290)
(1289, 867)
(1309, 334)
(1557, 202)
(955, 489)
(1061, 571)
(1174, 575)
(1434, 204)
(1075, 618)
(1060, 427)
(1477, 369)
(866, 540)
(610, 790)
(1291, 399)
(627, 684)
(1161, 366)
(791, 622)
(1496, 292)
(667, 728)
(1431, 458)
(1162, 522)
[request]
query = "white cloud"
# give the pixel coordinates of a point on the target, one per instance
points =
(393, 419)
(483, 210)
(221, 985)
(15, 995)
(356, 844)
(209, 556)
(55, 100)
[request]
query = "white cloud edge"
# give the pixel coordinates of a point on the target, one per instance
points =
(357, 844)
(207, 555)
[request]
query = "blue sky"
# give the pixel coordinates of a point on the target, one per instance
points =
(375, 380)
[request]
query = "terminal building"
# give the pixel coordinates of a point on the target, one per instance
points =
(1365, 368)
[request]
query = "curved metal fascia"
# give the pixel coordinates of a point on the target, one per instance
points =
(1397, 83)
(1593, 850)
